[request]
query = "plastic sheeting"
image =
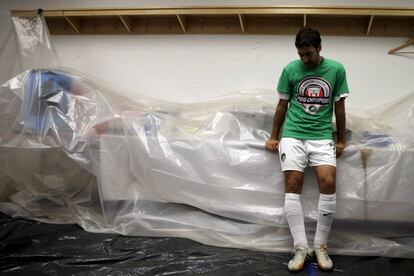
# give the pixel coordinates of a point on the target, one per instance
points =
(26, 45)
(36, 248)
(74, 150)
(32, 38)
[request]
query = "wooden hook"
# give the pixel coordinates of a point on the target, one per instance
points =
(409, 42)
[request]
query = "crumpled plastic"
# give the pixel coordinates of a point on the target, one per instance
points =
(73, 149)
(33, 42)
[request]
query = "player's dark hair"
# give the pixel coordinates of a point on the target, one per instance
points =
(307, 37)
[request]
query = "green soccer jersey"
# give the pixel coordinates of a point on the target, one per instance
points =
(311, 93)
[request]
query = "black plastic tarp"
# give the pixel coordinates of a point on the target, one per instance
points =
(36, 248)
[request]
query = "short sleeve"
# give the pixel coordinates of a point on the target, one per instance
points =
(341, 86)
(284, 86)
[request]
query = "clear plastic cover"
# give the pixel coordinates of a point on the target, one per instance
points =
(73, 149)
(34, 46)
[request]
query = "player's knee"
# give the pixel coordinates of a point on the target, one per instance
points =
(328, 184)
(293, 185)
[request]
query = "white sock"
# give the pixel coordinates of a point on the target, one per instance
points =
(326, 213)
(294, 215)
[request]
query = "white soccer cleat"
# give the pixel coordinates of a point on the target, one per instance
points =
(300, 255)
(324, 262)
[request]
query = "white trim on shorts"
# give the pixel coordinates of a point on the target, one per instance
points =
(296, 154)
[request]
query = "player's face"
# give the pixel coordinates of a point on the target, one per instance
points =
(309, 55)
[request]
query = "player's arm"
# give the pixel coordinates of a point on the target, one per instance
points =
(340, 125)
(279, 117)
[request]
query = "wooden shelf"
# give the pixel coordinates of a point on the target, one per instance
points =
(353, 21)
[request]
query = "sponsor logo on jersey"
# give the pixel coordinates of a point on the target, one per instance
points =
(314, 93)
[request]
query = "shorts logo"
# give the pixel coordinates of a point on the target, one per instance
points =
(314, 94)
(283, 157)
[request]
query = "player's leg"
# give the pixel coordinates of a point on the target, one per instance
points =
(295, 218)
(323, 160)
(326, 204)
(293, 208)
(293, 162)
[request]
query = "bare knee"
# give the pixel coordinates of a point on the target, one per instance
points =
(327, 185)
(293, 183)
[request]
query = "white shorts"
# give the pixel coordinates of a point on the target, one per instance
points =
(296, 155)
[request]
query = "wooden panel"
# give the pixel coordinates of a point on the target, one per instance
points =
(353, 21)
(162, 24)
(339, 25)
(182, 22)
(100, 25)
(213, 24)
(392, 26)
(231, 10)
(127, 22)
(273, 24)
(59, 26)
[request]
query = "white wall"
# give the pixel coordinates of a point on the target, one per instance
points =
(191, 68)
(188, 68)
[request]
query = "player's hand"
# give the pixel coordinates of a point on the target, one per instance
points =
(272, 144)
(339, 148)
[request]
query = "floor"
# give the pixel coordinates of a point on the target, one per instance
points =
(35, 248)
